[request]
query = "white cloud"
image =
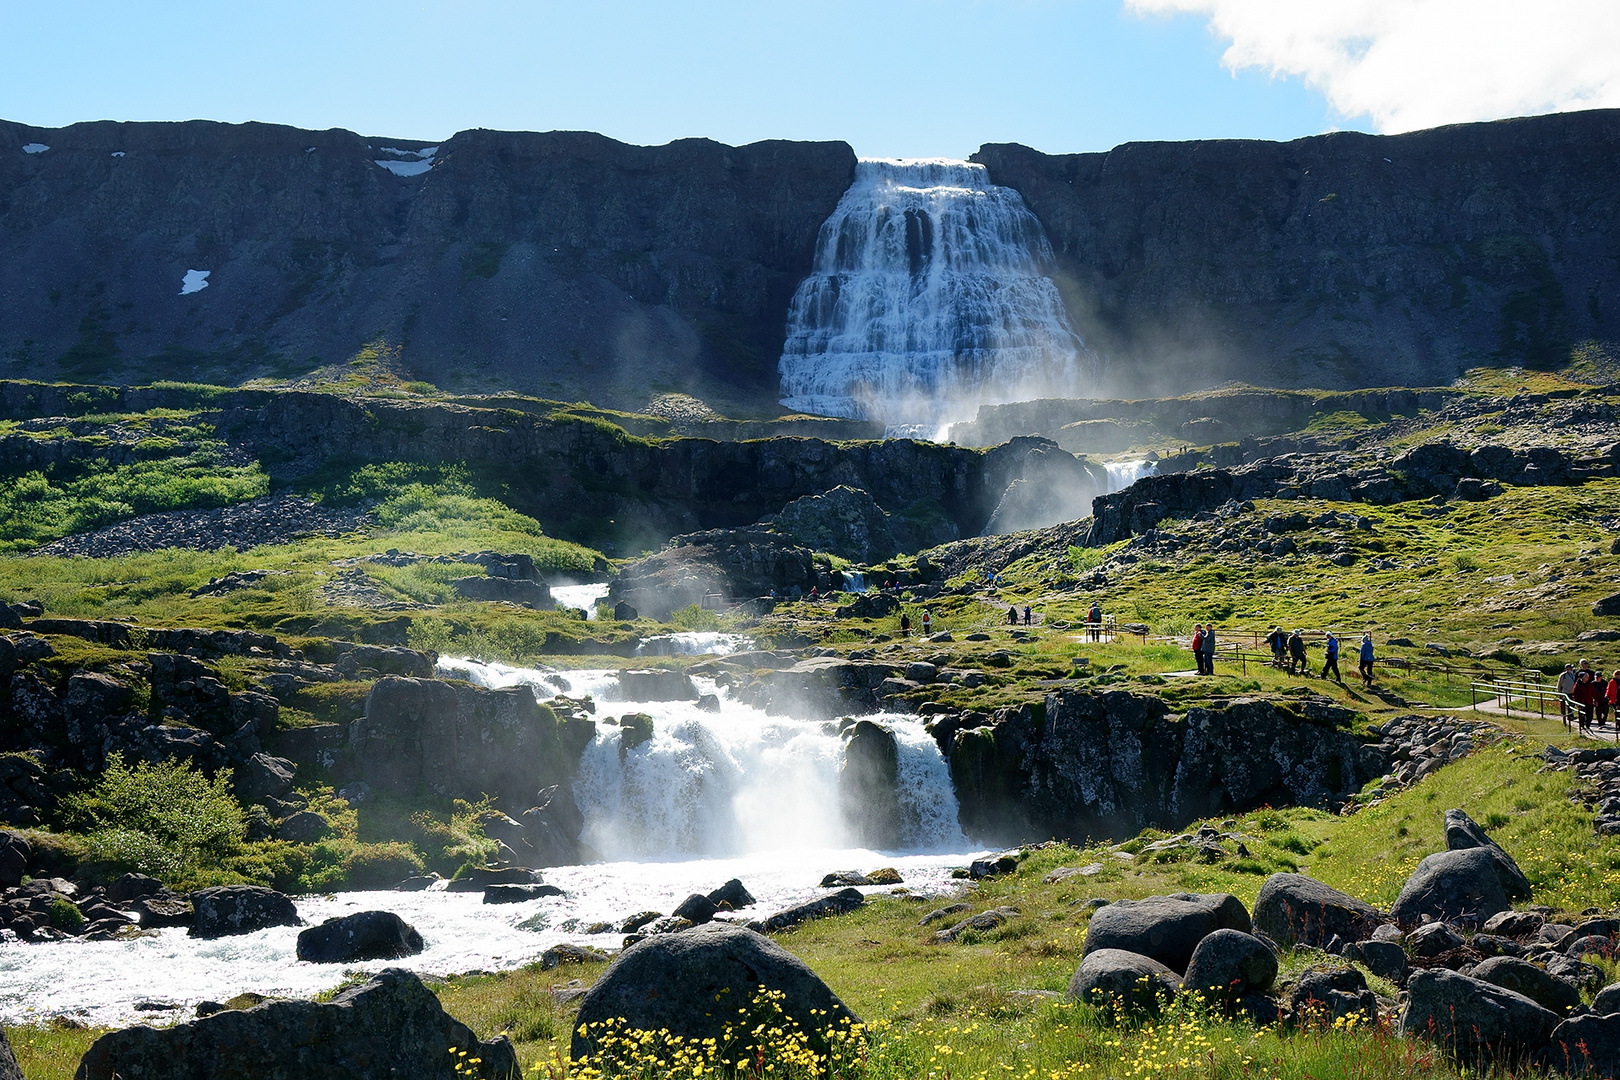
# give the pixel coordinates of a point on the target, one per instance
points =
(1411, 64)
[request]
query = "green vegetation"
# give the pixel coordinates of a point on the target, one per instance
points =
(167, 820)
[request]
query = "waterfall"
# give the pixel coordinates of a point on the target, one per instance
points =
(1122, 474)
(928, 298)
(729, 782)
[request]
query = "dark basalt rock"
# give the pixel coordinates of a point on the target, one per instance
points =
(839, 903)
(1295, 909)
(868, 787)
(1229, 964)
(671, 981)
(390, 1027)
(1110, 979)
(227, 910)
(1476, 1022)
(1166, 928)
(365, 935)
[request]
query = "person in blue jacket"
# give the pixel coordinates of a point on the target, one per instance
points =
(1332, 661)
(1366, 659)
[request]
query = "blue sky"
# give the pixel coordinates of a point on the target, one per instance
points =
(892, 77)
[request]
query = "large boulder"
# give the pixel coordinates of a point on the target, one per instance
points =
(365, 935)
(1462, 887)
(227, 910)
(264, 777)
(1478, 1022)
(1584, 1046)
(1167, 928)
(1115, 980)
(1523, 977)
(845, 521)
(9, 1069)
(1293, 909)
(1464, 834)
(1229, 964)
(733, 563)
(671, 982)
(387, 1028)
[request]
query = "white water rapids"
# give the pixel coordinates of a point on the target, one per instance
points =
(712, 796)
(928, 298)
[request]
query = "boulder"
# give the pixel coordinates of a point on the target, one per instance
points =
(1166, 928)
(263, 776)
(1525, 978)
(1584, 1046)
(1464, 834)
(670, 982)
(1228, 964)
(14, 855)
(479, 878)
(839, 903)
(227, 910)
(564, 953)
(845, 521)
(1514, 924)
(656, 685)
(304, 827)
(984, 920)
(390, 1027)
(1327, 994)
(1477, 1022)
(1293, 909)
(697, 909)
(161, 912)
(9, 1069)
(1433, 939)
(1385, 959)
(1117, 980)
(732, 895)
(1463, 887)
(130, 887)
(365, 935)
(517, 894)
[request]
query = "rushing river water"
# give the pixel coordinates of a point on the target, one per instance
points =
(714, 795)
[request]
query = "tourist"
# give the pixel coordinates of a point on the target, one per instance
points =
(812, 592)
(1611, 694)
(1366, 659)
(1094, 618)
(928, 622)
(1584, 693)
(905, 624)
(1279, 646)
(1209, 649)
(1198, 646)
(1296, 653)
(1027, 615)
(1332, 661)
(1600, 699)
(1012, 615)
(1566, 692)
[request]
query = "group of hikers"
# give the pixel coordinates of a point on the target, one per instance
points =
(1287, 652)
(1591, 697)
(927, 622)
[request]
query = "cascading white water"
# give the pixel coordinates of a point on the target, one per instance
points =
(928, 298)
(1122, 474)
(729, 782)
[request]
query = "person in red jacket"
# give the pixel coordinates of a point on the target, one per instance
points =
(1612, 693)
(1585, 694)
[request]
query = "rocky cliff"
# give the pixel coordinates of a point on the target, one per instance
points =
(1340, 260)
(1108, 764)
(562, 262)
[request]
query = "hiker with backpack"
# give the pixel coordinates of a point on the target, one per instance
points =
(1366, 659)
(1296, 653)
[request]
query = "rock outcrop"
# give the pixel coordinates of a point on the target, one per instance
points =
(391, 1026)
(1189, 264)
(365, 935)
(684, 255)
(1111, 763)
(462, 741)
(868, 787)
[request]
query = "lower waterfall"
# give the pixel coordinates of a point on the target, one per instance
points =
(727, 781)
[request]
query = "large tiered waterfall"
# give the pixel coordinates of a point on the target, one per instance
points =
(929, 297)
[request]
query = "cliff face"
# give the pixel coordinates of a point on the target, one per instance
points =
(1340, 260)
(563, 263)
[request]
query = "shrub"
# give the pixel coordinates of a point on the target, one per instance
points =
(166, 819)
(65, 914)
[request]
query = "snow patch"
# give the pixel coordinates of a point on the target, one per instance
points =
(35, 148)
(194, 281)
(422, 163)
